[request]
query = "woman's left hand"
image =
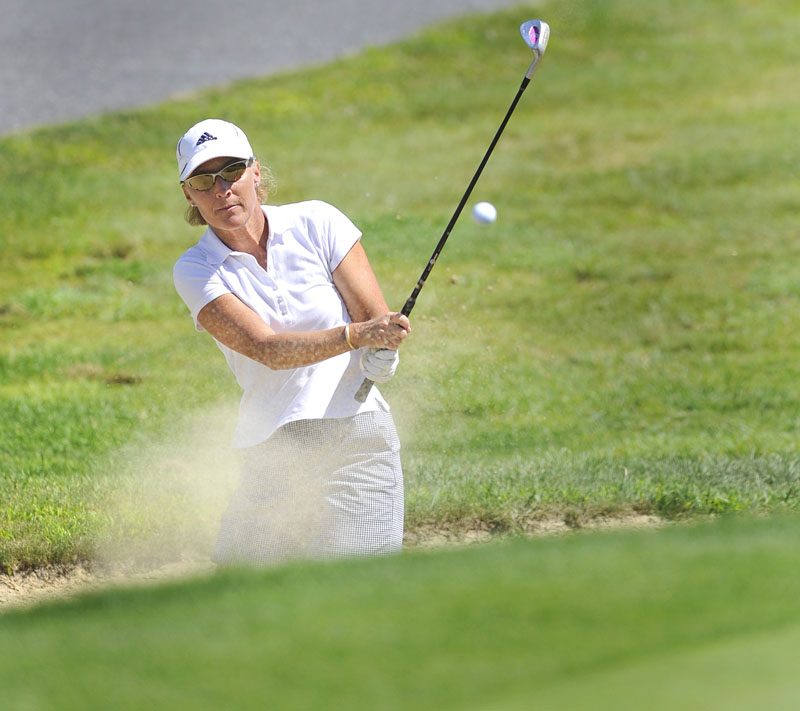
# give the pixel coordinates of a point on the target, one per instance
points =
(379, 364)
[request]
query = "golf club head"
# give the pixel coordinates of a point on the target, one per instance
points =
(535, 33)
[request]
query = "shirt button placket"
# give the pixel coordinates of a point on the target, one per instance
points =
(281, 301)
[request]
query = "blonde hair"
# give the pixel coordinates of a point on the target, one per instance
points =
(267, 185)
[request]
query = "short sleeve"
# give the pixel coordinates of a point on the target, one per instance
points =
(198, 283)
(336, 232)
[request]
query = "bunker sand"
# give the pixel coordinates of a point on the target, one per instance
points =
(57, 582)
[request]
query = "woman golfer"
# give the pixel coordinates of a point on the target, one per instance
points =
(289, 297)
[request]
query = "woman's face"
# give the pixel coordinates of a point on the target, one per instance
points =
(226, 206)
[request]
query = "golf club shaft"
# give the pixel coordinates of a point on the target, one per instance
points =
(363, 391)
(412, 299)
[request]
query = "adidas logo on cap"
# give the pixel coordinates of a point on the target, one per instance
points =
(205, 137)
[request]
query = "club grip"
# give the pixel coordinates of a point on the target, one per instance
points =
(363, 391)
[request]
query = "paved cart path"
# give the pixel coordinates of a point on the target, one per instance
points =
(67, 59)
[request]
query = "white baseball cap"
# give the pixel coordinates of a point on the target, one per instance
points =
(211, 138)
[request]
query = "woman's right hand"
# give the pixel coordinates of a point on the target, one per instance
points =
(386, 331)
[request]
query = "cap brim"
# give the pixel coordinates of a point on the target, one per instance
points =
(204, 156)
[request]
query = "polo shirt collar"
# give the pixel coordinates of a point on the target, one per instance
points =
(216, 250)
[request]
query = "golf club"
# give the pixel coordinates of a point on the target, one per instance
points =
(535, 33)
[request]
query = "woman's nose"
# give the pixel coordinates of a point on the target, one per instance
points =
(222, 187)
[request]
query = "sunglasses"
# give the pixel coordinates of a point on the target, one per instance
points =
(230, 174)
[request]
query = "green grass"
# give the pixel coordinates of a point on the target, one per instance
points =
(691, 617)
(624, 339)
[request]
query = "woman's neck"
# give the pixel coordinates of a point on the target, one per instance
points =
(250, 238)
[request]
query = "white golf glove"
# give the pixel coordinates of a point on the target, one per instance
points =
(379, 364)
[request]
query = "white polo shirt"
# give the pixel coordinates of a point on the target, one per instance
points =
(307, 241)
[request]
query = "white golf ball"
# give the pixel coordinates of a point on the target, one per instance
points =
(484, 213)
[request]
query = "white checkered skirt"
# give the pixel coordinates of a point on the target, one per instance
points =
(317, 489)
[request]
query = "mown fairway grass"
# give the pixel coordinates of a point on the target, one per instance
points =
(690, 617)
(626, 338)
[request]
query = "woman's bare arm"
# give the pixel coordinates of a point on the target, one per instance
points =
(358, 286)
(237, 326)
